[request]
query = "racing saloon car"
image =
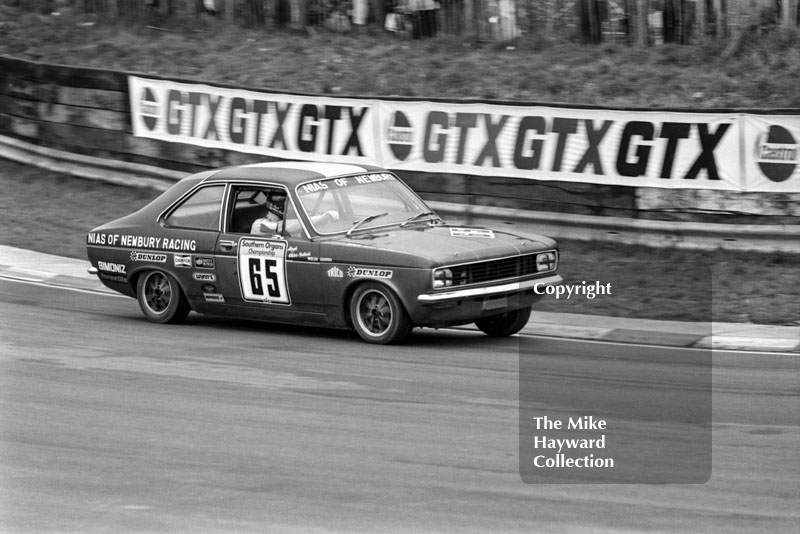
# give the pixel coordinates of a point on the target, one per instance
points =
(322, 244)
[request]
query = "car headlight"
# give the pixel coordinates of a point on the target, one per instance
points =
(442, 278)
(546, 261)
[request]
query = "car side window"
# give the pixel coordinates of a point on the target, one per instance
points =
(201, 210)
(257, 210)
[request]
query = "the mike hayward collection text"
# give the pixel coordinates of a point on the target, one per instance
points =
(562, 451)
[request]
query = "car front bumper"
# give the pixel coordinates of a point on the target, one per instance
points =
(479, 292)
(461, 306)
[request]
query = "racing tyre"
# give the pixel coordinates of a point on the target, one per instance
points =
(505, 324)
(378, 315)
(160, 298)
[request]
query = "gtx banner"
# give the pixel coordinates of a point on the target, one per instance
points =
(724, 151)
(642, 149)
(279, 125)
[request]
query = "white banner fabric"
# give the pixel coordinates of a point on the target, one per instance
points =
(717, 151)
(641, 149)
(279, 125)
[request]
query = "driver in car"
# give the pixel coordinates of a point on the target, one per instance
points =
(270, 223)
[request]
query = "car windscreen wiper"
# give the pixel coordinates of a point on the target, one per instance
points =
(365, 220)
(418, 216)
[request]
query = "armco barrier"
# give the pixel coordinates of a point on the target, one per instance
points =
(87, 112)
(680, 234)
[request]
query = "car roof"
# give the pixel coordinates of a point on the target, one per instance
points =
(291, 173)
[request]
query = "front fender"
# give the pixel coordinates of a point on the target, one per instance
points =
(406, 283)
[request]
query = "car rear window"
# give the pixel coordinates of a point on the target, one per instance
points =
(200, 210)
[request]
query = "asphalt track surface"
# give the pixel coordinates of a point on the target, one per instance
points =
(109, 423)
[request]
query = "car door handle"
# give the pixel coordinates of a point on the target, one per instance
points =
(227, 244)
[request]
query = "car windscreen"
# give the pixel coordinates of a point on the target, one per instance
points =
(367, 200)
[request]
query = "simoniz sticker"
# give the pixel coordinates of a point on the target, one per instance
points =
(118, 268)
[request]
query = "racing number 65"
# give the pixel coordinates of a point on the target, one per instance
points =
(262, 271)
(268, 271)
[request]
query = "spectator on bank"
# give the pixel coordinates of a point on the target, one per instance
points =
(506, 27)
(360, 12)
(423, 17)
(282, 13)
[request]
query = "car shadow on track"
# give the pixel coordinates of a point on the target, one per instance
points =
(420, 337)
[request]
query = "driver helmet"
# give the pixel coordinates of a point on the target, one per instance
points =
(276, 203)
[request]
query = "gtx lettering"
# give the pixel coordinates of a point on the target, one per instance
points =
(323, 129)
(447, 138)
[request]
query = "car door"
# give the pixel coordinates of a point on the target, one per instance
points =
(190, 230)
(270, 275)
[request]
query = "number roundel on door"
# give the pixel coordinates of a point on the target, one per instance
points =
(262, 270)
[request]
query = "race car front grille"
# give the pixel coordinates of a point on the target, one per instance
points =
(488, 271)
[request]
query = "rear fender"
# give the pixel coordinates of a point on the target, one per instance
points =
(133, 278)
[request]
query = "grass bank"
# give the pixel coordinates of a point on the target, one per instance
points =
(759, 71)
